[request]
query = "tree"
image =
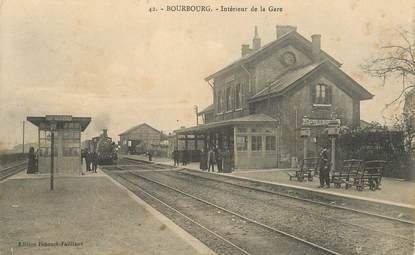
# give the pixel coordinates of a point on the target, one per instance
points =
(395, 60)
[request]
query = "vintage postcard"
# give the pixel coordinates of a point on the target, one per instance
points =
(207, 127)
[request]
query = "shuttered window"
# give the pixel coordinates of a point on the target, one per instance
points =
(322, 94)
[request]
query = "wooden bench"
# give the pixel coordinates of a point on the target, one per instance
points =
(307, 170)
(349, 171)
(370, 175)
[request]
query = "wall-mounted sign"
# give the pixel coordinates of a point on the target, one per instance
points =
(319, 122)
(58, 118)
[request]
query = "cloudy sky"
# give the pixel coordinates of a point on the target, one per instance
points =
(122, 65)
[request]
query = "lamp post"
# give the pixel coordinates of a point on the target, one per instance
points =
(52, 151)
(305, 133)
(333, 132)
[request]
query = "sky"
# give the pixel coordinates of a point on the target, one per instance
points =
(122, 65)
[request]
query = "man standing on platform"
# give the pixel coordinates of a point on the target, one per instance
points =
(94, 160)
(87, 160)
(219, 160)
(211, 160)
(324, 168)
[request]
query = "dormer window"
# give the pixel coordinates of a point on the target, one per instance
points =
(322, 95)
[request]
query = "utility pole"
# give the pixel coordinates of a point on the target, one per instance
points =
(23, 135)
(52, 152)
(197, 117)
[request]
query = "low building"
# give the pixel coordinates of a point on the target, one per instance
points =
(139, 139)
(262, 100)
(67, 142)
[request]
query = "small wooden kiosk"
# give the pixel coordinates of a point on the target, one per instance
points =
(67, 142)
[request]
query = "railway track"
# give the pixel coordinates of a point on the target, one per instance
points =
(350, 223)
(343, 208)
(12, 170)
(272, 239)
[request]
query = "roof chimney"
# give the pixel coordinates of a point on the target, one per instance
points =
(256, 42)
(316, 47)
(282, 30)
(245, 50)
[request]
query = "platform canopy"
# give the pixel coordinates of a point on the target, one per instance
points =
(44, 122)
(252, 119)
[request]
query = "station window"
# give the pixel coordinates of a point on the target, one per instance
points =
(256, 143)
(242, 143)
(45, 152)
(270, 143)
(322, 94)
(229, 103)
(71, 152)
(238, 96)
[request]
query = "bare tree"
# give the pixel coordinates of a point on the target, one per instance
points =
(395, 60)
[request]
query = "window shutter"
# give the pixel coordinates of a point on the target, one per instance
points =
(329, 95)
(313, 93)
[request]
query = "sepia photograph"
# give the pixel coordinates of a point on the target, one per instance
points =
(202, 127)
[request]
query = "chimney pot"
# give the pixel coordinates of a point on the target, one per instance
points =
(316, 47)
(282, 30)
(245, 50)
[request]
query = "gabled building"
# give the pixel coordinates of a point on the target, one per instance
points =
(139, 139)
(261, 99)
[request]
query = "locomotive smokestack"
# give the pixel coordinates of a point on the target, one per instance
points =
(105, 132)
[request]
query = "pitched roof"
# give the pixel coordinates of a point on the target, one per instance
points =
(210, 108)
(286, 80)
(249, 119)
(289, 80)
(135, 127)
(253, 55)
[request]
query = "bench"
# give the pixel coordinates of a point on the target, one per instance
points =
(307, 170)
(370, 175)
(350, 169)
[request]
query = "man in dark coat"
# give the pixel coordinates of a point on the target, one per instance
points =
(219, 160)
(87, 160)
(211, 160)
(175, 155)
(324, 168)
(94, 160)
(203, 160)
(227, 162)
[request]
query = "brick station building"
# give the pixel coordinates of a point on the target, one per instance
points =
(261, 99)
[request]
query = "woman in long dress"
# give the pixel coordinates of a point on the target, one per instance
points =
(31, 166)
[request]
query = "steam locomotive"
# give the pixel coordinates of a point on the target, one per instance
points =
(104, 147)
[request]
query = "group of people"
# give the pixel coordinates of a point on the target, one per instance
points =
(91, 160)
(181, 156)
(222, 159)
(208, 159)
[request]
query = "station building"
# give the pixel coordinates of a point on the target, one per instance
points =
(261, 101)
(67, 142)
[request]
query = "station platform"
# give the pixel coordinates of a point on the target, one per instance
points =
(90, 214)
(393, 191)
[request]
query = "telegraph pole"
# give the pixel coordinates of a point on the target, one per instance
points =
(197, 117)
(23, 135)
